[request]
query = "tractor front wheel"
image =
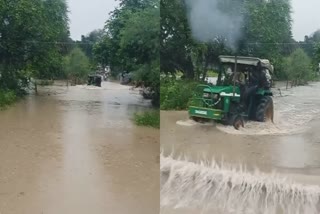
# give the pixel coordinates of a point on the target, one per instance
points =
(265, 109)
(238, 122)
(235, 120)
(199, 120)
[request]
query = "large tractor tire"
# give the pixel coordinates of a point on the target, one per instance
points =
(237, 122)
(265, 109)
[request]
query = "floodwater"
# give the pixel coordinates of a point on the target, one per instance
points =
(76, 150)
(283, 158)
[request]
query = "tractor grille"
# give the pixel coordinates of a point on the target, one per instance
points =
(211, 99)
(211, 96)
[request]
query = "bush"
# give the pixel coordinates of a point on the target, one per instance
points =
(175, 95)
(76, 66)
(298, 67)
(6, 98)
(149, 118)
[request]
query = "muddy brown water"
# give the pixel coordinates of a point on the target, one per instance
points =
(291, 146)
(76, 150)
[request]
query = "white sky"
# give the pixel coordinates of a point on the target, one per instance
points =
(88, 15)
(306, 17)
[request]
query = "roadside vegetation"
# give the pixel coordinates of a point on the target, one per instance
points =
(265, 32)
(31, 44)
(76, 65)
(36, 48)
(149, 118)
(6, 98)
(131, 43)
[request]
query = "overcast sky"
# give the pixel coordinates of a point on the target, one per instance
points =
(88, 15)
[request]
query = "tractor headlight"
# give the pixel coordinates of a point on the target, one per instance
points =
(215, 96)
(206, 95)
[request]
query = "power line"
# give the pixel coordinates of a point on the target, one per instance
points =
(54, 42)
(92, 43)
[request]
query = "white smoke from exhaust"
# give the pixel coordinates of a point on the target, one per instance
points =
(209, 22)
(224, 189)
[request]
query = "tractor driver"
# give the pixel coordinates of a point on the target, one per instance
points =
(240, 78)
(259, 78)
(250, 87)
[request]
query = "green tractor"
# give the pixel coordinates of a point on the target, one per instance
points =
(243, 92)
(95, 80)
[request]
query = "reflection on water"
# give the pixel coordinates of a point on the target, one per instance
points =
(76, 150)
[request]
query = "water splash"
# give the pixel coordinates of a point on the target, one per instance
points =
(294, 109)
(220, 188)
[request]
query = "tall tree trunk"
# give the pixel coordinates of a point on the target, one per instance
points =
(36, 87)
(189, 69)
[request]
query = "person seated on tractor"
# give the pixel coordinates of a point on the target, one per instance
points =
(266, 78)
(241, 80)
(248, 85)
(259, 78)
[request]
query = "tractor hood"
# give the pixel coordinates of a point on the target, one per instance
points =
(221, 89)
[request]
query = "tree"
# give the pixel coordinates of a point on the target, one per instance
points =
(87, 43)
(176, 40)
(316, 58)
(131, 43)
(139, 45)
(28, 45)
(298, 67)
(76, 66)
(265, 31)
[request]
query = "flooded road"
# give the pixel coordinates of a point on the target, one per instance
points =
(76, 150)
(291, 147)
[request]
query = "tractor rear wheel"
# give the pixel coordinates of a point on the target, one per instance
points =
(265, 109)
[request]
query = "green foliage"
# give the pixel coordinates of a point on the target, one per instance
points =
(28, 33)
(7, 97)
(139, 42)
(150, 118)
(148, 74)
(316, 57)
(266, 23)
(175, 95)
(77, 66)
(88, 42)
(131, 43)
(298, 67)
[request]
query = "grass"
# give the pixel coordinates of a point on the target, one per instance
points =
(7, 98)
(149, 119)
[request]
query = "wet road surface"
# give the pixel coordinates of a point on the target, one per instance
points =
(75, 150)
(291, 146)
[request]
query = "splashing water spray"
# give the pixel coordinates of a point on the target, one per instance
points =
(219, 188)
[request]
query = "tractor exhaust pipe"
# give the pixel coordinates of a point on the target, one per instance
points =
(235, 75)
